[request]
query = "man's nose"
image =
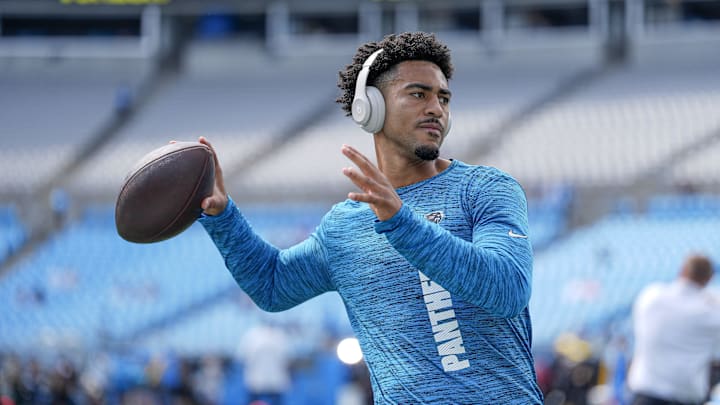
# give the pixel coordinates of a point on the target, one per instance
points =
(434, 107)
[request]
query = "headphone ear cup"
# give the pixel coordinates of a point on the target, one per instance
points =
(377, 110)
(360, 110)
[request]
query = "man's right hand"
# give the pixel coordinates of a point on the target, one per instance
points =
(216, 203)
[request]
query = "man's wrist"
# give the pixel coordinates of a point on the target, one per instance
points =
(394, 221)
(221, 215)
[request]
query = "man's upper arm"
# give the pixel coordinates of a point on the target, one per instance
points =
(499, 215)
(500, 229)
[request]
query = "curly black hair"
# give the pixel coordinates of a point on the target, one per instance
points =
(397, 48)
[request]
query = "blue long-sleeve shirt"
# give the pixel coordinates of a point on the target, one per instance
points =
(437, 295)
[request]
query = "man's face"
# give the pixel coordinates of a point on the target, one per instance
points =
(416, 109)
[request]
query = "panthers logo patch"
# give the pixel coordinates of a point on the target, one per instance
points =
(436, 216)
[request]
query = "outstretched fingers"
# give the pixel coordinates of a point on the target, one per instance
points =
(362, 162)
(376, 188)
(362, 181)
(362, 197)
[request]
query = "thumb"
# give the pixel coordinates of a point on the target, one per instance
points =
(206, 203)
(209, 205)
(214, 205)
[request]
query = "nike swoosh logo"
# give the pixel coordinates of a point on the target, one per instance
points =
(516, 235)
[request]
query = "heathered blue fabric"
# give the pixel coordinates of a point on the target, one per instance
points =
(436, 295)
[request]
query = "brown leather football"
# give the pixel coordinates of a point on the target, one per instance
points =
(161, 194)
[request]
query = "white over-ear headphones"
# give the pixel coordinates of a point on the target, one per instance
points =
(368, 106)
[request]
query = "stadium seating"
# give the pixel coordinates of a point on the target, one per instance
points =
(597, 271)
(278, 134)
(619, 128)
(226, 94)
(86, 288)
(89, 287)
(51, 109)
(89, 284)
(12, 232)
(697, 168)
(548, 215)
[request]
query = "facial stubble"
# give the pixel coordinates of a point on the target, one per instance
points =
(427, 152)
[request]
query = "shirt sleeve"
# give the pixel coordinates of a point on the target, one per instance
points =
(275, 279)
(494, 271)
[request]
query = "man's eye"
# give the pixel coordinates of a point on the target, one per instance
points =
(445, 100)
(418, 94)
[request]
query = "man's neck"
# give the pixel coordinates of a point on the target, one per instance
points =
(403, 172)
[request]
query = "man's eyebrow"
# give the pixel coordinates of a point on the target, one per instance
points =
(425, 87)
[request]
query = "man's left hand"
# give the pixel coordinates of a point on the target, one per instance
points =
(377, 190)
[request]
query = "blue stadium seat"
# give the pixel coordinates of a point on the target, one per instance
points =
(597, 271)
(13, 233)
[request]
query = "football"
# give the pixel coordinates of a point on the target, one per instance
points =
(161, 195)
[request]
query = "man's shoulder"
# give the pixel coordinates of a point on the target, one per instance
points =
(485, 174)
(348, 211)
(487, 182)
(651, 293)
(348, 207)
(655, 288)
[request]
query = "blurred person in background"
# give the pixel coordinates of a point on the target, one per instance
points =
(63, 383)
(677, 327)
(431, 256)
(208, 379)
(266, 358)
(24, 382)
